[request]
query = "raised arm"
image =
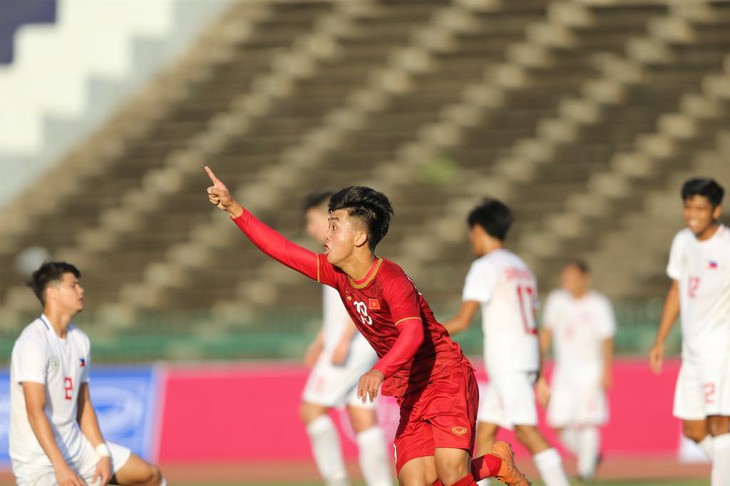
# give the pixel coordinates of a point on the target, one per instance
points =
(265, 238)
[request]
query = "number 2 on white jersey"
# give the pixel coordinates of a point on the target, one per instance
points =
(526, 299)
(69, 387)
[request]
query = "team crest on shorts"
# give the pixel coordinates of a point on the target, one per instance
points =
(458, 430)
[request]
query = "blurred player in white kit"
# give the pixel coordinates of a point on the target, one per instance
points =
(504, 288)
(55, 437)
(699, 266)
(580, 324)
(339, 356)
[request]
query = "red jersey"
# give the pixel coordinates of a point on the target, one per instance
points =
(377, 303)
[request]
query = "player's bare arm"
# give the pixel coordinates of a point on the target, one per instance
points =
(607, 377)
(89, 425)
(462, 320)
(35, 401)
(410, 337)
(542, 388)
(220, 197)
(342, 350)
(670, 312)
(265, 238)
(367, 387)
(314, 350)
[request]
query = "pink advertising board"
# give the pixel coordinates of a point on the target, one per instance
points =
(249, 413)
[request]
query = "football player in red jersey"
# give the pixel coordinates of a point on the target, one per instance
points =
(418, 363)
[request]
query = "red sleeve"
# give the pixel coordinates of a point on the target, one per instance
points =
(276, 246)
(402, 298)
(401, 295)
(410, 338)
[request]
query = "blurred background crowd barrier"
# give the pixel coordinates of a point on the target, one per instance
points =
(164, 413)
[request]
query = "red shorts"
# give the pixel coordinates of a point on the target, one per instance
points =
(443, 414)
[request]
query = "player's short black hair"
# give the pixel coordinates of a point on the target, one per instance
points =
(316, 199)
(47, 274)
(371, 207)
(703, 186)
(493, 216)
(580, 264)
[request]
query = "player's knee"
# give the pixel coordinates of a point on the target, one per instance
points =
(303, 413)
(486, 434)
(718, 425)
(524, 433)
(154, 476)
(695, 436)
(451, 469)
(308, 412)
(694, 432)
(361, 419)
(531, 437)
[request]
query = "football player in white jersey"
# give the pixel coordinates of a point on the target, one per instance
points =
(504, 288)
(699, 266)
(55, 437)
(580, 324)
(339, 356)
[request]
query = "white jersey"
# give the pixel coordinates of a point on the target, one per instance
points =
(579, 327)
(703, 271)
(62, 365)
(331, 385)
(335, 319)
(335, 322)
(507, 290)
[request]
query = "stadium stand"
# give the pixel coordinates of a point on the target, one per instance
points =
(17, 14)
(583, 115)
(95, 54)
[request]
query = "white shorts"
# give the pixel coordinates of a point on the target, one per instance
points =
(27, 474)
(573, 403)
(336, 386)
(508, 400)
(703, 388)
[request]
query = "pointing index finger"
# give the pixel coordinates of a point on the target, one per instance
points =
(212, 176)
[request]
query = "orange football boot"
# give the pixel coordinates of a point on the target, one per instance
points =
(508, 472)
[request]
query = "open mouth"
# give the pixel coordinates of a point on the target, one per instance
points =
(695, 225)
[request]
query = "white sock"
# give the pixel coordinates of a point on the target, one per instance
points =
(720, 460)
(483, 482)
(326, 450)
(550, 466)
(569, 438)
(163, 482)
(374, 462)
(589, 442)
(706, 445)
